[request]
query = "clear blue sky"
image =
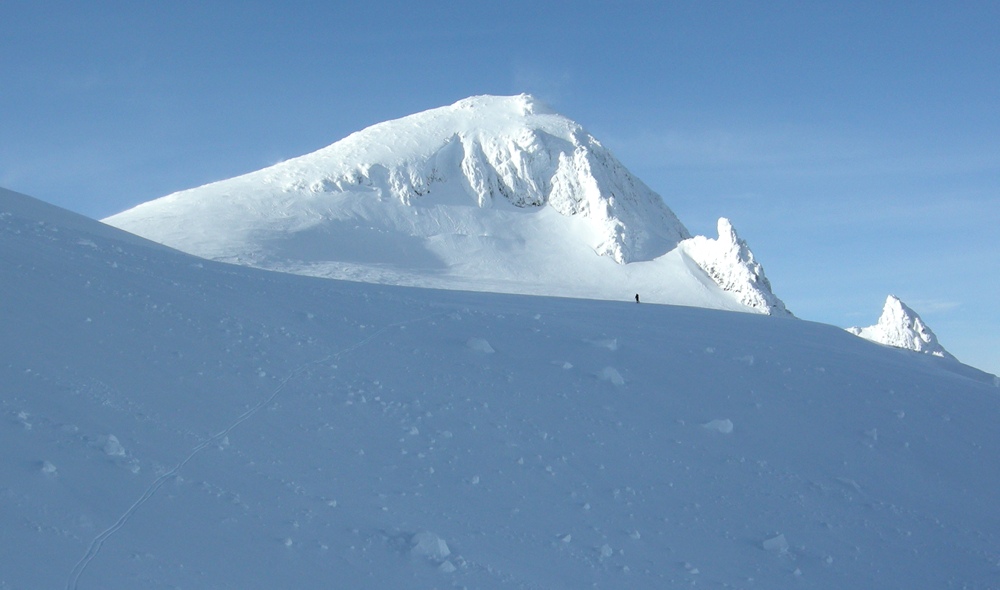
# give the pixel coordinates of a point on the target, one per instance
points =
(856, 146)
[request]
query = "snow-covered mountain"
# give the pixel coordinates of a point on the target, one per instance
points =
(169, 422)
(490, 194)
(901, 327)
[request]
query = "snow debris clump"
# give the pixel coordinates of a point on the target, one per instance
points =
(112, 447)
(730, 263)
(901, 327)
(611, 374)
(725, 426)
(447, 567)
(48, 468)
(428, 545)
(609, 343)
(479, 345)
(776, 544)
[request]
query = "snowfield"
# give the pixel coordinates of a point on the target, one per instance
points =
(174, 422)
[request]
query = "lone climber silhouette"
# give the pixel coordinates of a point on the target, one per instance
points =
(637, 298)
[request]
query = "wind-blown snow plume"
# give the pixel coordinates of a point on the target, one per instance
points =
(901, 327)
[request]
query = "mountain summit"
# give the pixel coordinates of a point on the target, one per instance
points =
(901, 327)
(488, 194)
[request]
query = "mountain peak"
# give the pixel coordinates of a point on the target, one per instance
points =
(491, 193)
(901, 327)
(522, 104)
(731, 264)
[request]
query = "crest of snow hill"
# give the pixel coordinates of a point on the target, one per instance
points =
(901, 327)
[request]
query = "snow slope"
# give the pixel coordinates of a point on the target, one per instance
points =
(173, 422)
(901, 327)
(489, 194)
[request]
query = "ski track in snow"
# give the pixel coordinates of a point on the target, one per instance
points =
(95, 545)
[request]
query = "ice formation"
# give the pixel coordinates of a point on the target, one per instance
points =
(901, 327)
(729, 261)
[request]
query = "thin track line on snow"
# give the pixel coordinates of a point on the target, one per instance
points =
(98, 541)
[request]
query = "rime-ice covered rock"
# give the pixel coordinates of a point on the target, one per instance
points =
(901, 327)
(731, 264)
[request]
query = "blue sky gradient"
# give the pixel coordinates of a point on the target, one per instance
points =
(856, 146)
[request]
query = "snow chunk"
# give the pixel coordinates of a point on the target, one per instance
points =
(48, 468)
(479, 345)
(725, 426)
(611, 374)
(730, 263)
(428, 545)
(609, 343)
(112, 447)
(776, 544)
(447, 567)
(901, 327)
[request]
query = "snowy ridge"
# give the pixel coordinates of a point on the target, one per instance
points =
(491, 193)
(901, 327)
(175, 422)
(729, 261)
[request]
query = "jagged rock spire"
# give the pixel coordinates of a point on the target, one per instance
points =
(731, 264)
(901, 327)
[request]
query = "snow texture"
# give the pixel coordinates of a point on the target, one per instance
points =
(491, 193)
(295, 432)
(901, 327)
